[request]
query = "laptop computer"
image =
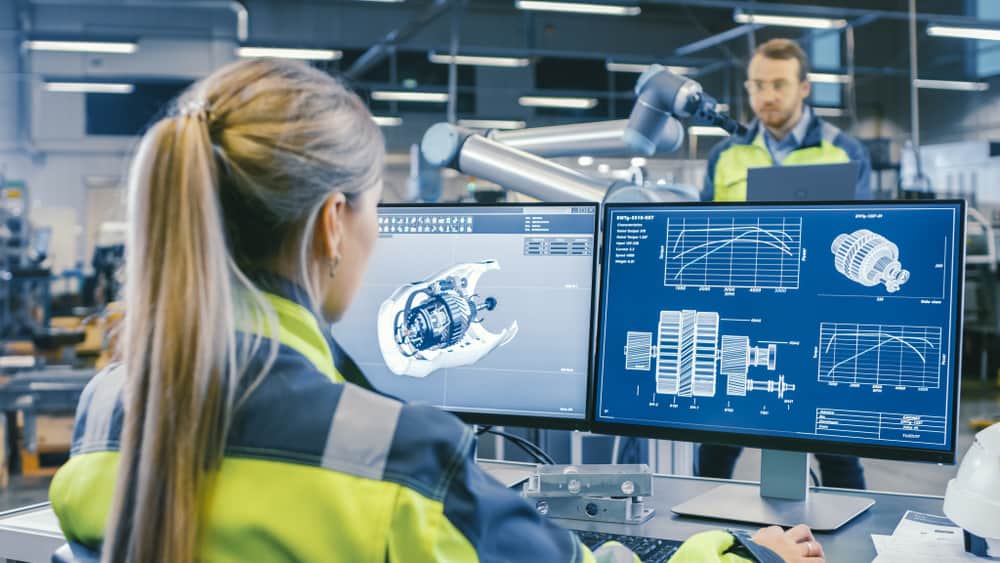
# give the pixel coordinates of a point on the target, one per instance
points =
(814, 182)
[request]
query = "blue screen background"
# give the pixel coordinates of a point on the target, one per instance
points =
(881, 373)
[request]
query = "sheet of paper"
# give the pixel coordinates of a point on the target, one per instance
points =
(907, 549)
(918, 524)
(881, 543)
(922, 538)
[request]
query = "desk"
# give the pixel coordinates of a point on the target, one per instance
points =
(851, 544)
(32, 533)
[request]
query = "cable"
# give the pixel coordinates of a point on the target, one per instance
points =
(815, 479)
(530, 448)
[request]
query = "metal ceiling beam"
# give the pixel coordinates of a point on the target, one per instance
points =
(816, 11)
(716, 39)
(237, 8)
(381, 50)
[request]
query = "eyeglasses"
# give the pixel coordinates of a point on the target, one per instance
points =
(779, 86)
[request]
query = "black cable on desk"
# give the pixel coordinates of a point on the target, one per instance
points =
(527, 446)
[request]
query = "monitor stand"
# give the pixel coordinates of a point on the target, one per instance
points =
(783, 498)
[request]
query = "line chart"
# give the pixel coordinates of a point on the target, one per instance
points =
(873, 354)
(746, 252)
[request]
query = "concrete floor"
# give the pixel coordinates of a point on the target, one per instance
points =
(893, 476)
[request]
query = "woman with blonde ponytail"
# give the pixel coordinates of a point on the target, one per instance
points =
(235, 428)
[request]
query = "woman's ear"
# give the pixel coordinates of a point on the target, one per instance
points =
(329, 231)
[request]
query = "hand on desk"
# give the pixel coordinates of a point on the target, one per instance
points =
(794, 545)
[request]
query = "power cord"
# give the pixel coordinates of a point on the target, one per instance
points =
(527, 446)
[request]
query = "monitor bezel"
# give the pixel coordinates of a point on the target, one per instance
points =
(535, 421)
(773, 442)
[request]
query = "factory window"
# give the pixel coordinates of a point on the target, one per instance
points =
(987, 53)
(553, 73)
(377, 73)
(557, 76)
(824, 56)
(130, 114)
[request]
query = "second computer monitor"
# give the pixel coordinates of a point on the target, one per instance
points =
(482, 310)
(814, 327)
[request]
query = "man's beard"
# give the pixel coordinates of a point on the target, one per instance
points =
(775, 120)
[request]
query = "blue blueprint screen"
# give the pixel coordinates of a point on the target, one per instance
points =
(835, 323)
(479, 309)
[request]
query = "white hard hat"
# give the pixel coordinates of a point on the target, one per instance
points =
(972, 499)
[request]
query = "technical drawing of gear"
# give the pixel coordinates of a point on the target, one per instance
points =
(638, 350)
(436, 323)
(869, 258)
(737, 358)
(688, 354)
(686, 350)
(771, 386)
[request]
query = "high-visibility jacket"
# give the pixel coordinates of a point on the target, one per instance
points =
(319, 468)
(823, 143)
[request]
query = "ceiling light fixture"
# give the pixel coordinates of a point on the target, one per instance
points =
(477, 60)
(286, 53)
(707, 131)
(951, 85)
(492, 123)
(116, 47)
(640, 68)
(963, 32)
(578, 8)
(90, 87)
(397, 96)
(827, 78)
(789, 21)
(557, 102)
(387, 121)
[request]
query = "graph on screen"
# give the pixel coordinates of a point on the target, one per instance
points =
(733, 252)
(875, 354)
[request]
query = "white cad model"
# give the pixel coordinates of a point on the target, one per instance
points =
(869, 259)
(435, 323)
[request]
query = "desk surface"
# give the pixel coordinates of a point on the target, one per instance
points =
(852, 543)
(32, 533)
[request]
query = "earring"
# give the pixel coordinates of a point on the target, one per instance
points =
(334, 263)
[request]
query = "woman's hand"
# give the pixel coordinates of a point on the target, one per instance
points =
(794, 545)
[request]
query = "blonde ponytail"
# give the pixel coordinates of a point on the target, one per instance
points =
(230, 182)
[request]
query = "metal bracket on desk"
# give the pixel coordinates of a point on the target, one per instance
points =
(600, 493)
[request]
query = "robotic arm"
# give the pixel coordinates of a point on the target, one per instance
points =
(662, 94)
(514, 159)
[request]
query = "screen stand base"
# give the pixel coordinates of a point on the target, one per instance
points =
(783, 498)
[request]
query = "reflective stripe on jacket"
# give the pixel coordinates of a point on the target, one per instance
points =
(726, 175)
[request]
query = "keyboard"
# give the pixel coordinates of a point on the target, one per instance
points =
(649, 550)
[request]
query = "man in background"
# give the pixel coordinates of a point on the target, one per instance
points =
(785, 132)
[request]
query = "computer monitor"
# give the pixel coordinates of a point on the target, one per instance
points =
(484, 310)
(805, 327)
(813, 182)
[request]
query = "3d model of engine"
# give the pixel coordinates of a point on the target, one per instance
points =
(869, 259)
(436, 323)
(688, 354)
